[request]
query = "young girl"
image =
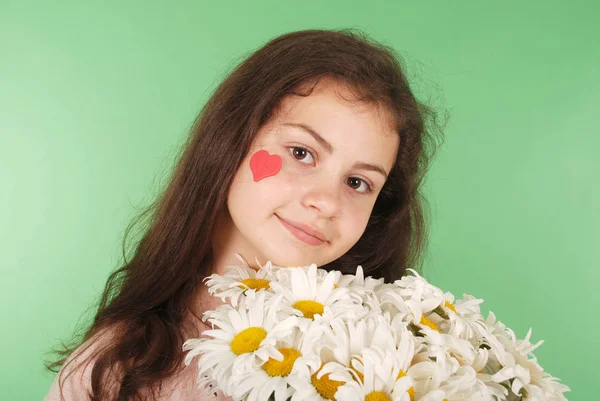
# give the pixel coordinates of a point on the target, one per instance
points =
(312, 150)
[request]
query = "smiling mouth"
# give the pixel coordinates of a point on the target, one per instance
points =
(301, 234)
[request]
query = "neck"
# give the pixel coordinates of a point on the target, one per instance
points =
(226, 242)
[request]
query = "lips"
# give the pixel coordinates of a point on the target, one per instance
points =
(304, 232)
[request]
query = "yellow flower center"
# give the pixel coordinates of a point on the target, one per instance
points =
(309, 308)
(450, 306)
(325, 387)
(248, 340)
(256, 283)
(273, 367)
(429, 323)
(410, 391)
(377, 396)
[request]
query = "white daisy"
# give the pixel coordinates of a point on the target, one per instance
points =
(311, 383)
(416, 288)
(457, 364)
(379, 379)
(237, 280)
(461, 341)
(519, 366)
(242, 336)
(382, 372)
(344, 338)
(310, 298)
(413, 298)
(463, 319)
(320, 378)
(463, 385)
(271, 377)
(362, 288)
(415, 311)
(359, 280)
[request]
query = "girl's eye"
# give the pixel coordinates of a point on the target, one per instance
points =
(300, 153)
(357, 183)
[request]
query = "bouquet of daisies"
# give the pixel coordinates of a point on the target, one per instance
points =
(302, 333)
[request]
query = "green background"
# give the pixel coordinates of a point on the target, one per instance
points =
(96, 98)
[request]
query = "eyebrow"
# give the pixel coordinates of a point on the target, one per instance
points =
(323, 142)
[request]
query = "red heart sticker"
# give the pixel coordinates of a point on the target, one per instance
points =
(264, 165)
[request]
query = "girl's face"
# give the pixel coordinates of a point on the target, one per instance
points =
(335, 158)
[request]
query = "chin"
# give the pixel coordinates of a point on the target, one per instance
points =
(288, 252)
(286, 257)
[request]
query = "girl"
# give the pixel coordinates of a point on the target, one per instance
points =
(312, 150)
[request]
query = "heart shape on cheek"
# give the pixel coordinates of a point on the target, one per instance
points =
(264, 165)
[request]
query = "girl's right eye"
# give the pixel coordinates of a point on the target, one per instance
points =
(299, 153)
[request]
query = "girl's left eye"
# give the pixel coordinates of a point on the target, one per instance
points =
(356, 183)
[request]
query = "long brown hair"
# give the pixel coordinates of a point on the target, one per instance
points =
(147, 297)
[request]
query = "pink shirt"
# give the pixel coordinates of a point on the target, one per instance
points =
(180, 387)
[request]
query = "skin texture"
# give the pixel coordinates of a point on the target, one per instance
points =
(313, 186)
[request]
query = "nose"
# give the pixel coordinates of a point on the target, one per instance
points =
(325, 198)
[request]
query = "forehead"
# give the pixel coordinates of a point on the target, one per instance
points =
(356, 128)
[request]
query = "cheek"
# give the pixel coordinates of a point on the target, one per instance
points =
(259, 182)
(355, 222)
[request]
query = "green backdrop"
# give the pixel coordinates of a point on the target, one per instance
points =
(96, 97)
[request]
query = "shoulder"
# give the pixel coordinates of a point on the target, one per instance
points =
(74, 380)
(185, 387)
